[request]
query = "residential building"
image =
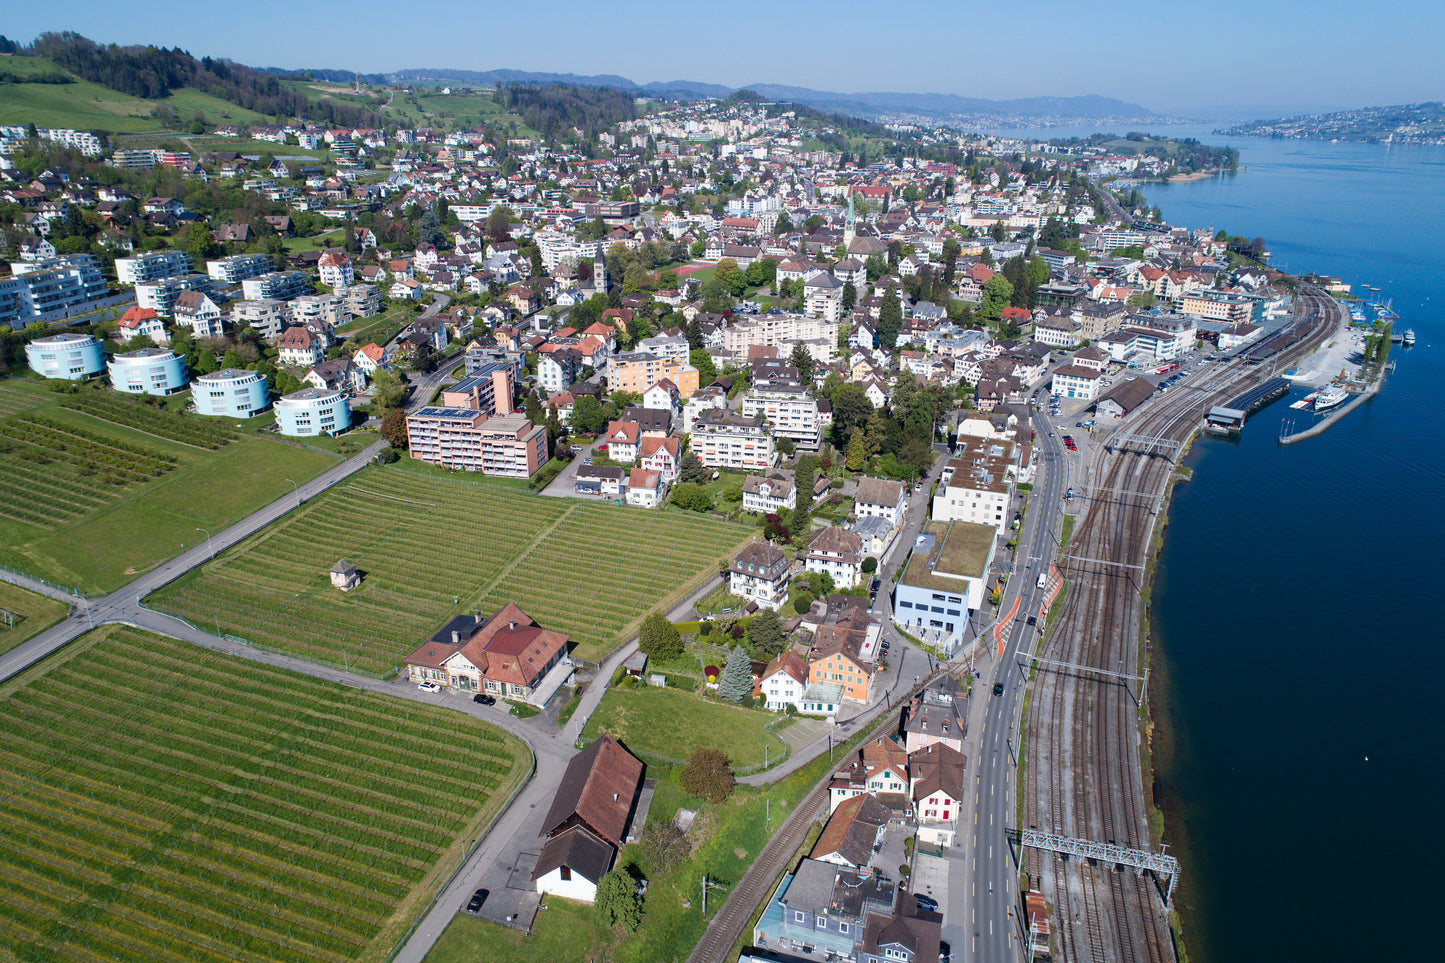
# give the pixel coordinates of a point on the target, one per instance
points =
(770, 491)
(938, 714)
(230, 393)
(944, 581)
(507, 655)
(823, 909)
(724, 440)
(329, 310)
(151, 266)
(662, 455)
(160, 295)
(148, 371)
(334, 269)
(899, 937)
(761, 574)
(1218, 306)
(621, 438)
(884, 498)
(977, 484)
(68, 356)
(853, 834)
(195, 310)
(487, 389)
(239, 267)
(588, 819)
(845, 647)
(266, 317)
(139, 322)
(783, 680)
(637, 371)
(777, 329)
(50, 290)
(645, 488)
(788, 411)
(1075, 381)
(704, 399)
(299, 347)
(935, 777)
(836, 552)
(362, 300)
(313, 411)
(609, 481)
(558, 369)
(467, 439)
(880, 767)
(277, 286)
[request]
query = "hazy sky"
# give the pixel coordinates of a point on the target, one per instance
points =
(1164, 56)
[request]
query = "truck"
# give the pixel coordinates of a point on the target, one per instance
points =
(1043, 579)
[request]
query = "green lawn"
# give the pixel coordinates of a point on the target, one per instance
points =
(32, 613)
(68, 524)
(432, 545)
(167, 802)
(379, 328)
(671, 723)
(560, 933)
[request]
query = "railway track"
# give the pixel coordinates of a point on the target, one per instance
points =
(1084, 729)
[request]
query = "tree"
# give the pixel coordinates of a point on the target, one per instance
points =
(783, 224)
(692, 497)
(587, 415)
(534, 411)
(663, 846)
(393, 428)
(708, 774)
(199, 243)
(803, 360)
(736, 682)
(890, 319)
(850, 295)
(803, 497)
(857, 451)
(659, 639)
(692, 470)
(851, 408)
(618, 903)
(702, 361)
(387, 388)
(870, 565)
(766, 634)
(997, 293)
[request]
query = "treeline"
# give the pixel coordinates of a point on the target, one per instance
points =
(555, 109)
(153, 72)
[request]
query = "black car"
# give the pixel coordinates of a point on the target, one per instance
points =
(998, 688)
(1033, 620)
(926, 902)
(474, 905)
(484, 699)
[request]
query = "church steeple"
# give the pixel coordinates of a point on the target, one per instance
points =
(848, 230)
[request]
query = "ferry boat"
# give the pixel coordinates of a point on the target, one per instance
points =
(1407, 337)
(1330, 396)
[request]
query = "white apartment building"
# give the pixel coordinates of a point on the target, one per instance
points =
(723, 440)
(760, 573)
(775, 329)
(836, 552)
(238, 267)
(788, 411)
(148, 371)
(1076, 381)
(151, 266)
(160, 295)
(266, 316)
(976, 486)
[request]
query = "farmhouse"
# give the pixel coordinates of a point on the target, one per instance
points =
(507, 655)
(588, 820)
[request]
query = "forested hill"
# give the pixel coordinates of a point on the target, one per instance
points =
(155, 72)
(556, 108)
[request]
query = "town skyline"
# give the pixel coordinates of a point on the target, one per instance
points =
(1266, 59)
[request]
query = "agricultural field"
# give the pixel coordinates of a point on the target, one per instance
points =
(103, 486)
(433, 546)
(164, 802)
(670, 724)
(29, 615)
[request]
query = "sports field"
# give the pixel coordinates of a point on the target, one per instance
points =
(163, 802)
(432, 547)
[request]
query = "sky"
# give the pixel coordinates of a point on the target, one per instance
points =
(1171, 58)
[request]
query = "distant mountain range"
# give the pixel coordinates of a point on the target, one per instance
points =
(885, 106)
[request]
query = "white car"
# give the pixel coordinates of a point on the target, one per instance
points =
(428, 687)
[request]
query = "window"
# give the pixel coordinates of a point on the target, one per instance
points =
(821, 922)
(842, 927)
(798, 916)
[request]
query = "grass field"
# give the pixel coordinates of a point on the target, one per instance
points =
(560, 933)
(33, 614)
(206, 143)
(432, 547)
(168, 803)
(379, 328)
(96, 498)
(672, 723)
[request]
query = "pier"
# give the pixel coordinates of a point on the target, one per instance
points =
(1231, 416)
(1333, 416)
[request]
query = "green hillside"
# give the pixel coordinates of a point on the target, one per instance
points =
(83, 105)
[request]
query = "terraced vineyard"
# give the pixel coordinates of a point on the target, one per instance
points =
(162, 802)
(432, 547)
(15, 399)
(194, 430)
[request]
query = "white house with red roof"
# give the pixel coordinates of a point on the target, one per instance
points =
(299, 346)
(138, 322)
(507, 655)
(370, 359)
(645, 488)
(662, 455)
(335, 270)
(622, 439)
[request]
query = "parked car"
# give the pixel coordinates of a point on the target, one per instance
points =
(577, 448)
(998, 688)
(603, 447)
(926, 902)
(484, 699)
(428, 687)
(474, 905)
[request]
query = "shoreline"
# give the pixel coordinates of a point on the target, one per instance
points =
(1198, 175)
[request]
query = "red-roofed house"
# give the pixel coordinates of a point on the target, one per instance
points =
(662, 455)
(622, 438)
(138, 322)
(506, 655)
(645, 488)
(300, 347)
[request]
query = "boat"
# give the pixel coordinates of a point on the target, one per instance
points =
(1407, 337)
(1330, 396)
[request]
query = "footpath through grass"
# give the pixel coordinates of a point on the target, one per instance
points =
(167, 802)
(103, 487)
(431, 547)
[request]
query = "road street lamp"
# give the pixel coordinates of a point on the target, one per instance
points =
(295, 491)
(209, 546)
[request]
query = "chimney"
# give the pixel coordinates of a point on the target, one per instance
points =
(512, 624)
(456, 637)
(614, 797)
(477, 617)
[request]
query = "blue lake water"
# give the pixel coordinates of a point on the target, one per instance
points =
(1297, 612)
